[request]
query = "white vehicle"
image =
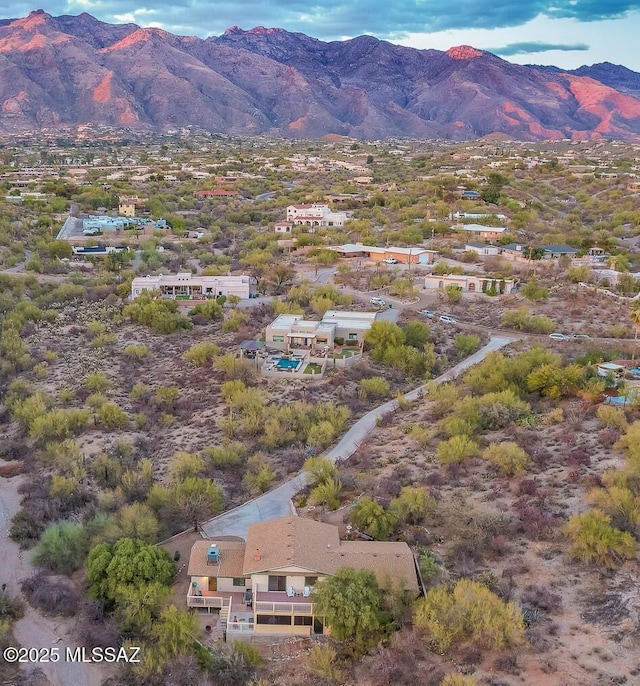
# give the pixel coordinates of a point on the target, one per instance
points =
(559, 337)
(390, 260)
(428, 314)
(377, 301)
(447, 319)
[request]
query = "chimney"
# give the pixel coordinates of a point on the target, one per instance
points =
(256, 556)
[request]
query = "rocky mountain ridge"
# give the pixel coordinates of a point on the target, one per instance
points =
(68, 70)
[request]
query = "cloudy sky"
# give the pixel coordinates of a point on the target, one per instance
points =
(567, 33)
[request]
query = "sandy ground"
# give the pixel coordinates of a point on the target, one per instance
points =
(35, 630)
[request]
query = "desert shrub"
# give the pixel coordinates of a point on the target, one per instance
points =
(468, 612)
(225, 456)
(534, 291)
(537, 522)
(259, 475)
(320, 469)
(326, 494)
(201, 353)
(323, 662)
(508, 457)
(612, 416)
(541, 598)
(369, 516)
(136, 351)
(111, 416)
(374, 387)
(594, 540)
(58, 424)
(458, 680)
(411, 505)
(466, 344)
(422, 435)
(160, 315)
(457, 449)
(523, 320)
(97, 382)
(56, 595)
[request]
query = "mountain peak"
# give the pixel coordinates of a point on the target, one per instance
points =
(74, 69)
(464, 52)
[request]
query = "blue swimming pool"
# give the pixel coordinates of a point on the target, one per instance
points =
(283, 363)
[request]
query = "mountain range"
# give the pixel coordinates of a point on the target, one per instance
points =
(61, 71)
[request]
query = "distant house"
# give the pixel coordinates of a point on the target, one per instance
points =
(216, 193)
(316, 214)
(554, 252)
(487, 233)
(268, 580)
(282, 227)
(404, 255)
(470, 284)
(187, 286)
(129, 206)
(483, 249)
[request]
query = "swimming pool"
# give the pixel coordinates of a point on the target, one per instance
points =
(285, 364)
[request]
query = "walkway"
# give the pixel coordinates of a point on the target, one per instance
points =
(276, 503)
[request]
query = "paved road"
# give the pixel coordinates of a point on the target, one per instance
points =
(276, 503)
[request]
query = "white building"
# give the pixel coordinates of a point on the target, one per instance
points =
(187, 286)
(316, 214)
(289, 331)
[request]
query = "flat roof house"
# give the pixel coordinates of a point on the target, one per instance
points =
(487, 233)
(412, 255)
(289, 331)
(470, 284)
(268, 579)
(187, 286)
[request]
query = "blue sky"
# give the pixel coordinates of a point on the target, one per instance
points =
(567, 33)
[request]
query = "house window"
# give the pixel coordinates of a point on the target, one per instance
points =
(239, 581)
(278, 339)
(273, 619)
(310, 580)
(303, 621)
(353, 336)
(277, 583)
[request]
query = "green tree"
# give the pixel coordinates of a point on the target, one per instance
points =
(62, 547)
(176, 633)
(351, 603)
(468, 612)
(417, 334)
(383, 335)
(412, 504)
(593, 539)
(196, 499)
(127, 562)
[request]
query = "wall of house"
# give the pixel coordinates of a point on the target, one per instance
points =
(282, 629)
(202, 581)
(226, 584)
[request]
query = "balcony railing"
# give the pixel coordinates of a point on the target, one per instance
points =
(281, 608)
(207, 601)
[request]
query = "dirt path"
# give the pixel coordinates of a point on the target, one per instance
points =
(35, 630)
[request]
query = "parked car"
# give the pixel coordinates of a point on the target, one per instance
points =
(559, 337)
(390, 260)
(428, 314)
(447, 319)
(582, 337)
(377, 301)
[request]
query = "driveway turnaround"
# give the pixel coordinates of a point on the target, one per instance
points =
(277, 503)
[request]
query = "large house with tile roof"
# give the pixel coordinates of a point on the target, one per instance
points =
(267, 581)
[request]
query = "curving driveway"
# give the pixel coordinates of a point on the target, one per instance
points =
(276, 503)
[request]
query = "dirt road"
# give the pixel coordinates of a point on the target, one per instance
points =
(35, 630)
